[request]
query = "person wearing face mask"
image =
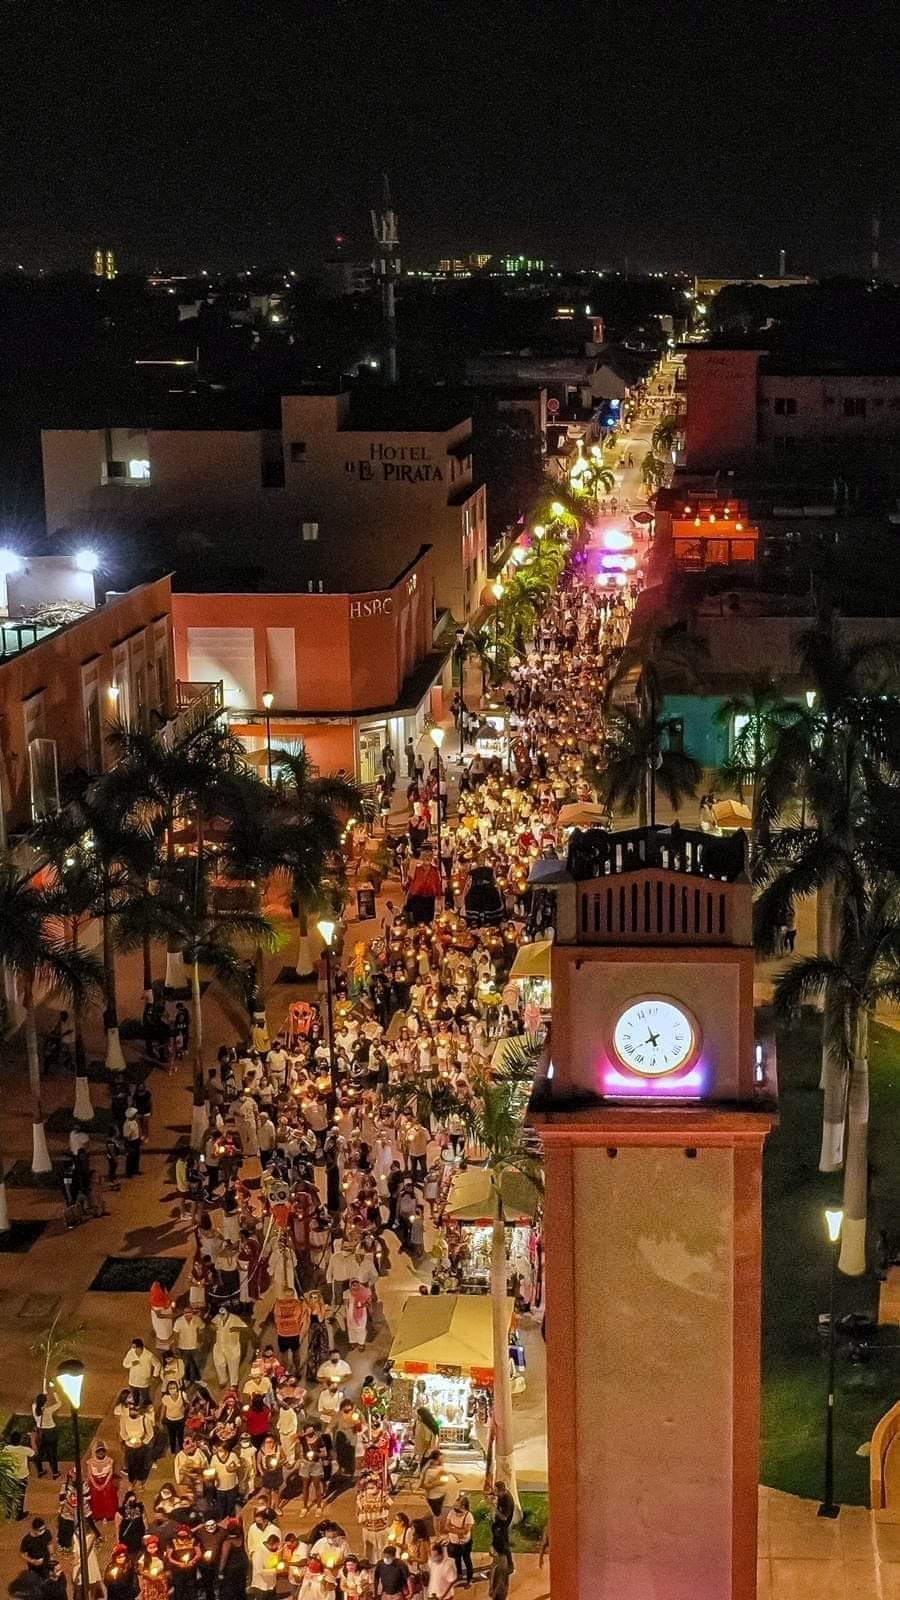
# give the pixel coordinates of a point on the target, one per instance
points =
(391, 1575)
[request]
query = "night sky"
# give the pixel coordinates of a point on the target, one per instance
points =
(221, 133)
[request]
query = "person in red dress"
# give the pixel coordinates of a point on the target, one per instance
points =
(102, 1480)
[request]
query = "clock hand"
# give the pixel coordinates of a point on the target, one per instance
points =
(653, 1039)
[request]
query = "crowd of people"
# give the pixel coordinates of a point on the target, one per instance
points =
(315, 1166)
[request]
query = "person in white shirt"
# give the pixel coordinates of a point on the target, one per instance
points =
(19, 1455)
(277, 1065)
(142, 1367)
(261, 1528)
(227, 1469)
(227, 1346)
(264, 1567)
(332, 1548)
(441, 1580)
(187, 1330)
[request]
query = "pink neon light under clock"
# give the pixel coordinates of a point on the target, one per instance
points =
(685, 1086)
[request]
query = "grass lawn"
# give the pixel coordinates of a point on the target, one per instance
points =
(526, 1536)
(23, 1423)
(796, 1273)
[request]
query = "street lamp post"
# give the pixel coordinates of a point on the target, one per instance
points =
(70, 1377)
(326, 931)
(268, 700)
(437, 739)
(461, 703)
(497, 591)
(833, 1221)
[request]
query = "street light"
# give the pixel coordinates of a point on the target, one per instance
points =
(497, 592)
(810, 698)
(437, 739)
(461, 703)
(833, 1220)
(268, 701)
(70, 1377)
(326, 932)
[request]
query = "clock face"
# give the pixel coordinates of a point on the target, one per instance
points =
(655, 1036)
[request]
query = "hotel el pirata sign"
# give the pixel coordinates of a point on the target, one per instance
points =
(396, 463)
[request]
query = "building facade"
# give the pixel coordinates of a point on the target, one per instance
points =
(348, 673)
(741, 401)
(333, 495)
(60, 685)
(653, 1113)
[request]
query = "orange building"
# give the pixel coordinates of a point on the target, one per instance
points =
(59, 684)
(347, 672)
(707, 531)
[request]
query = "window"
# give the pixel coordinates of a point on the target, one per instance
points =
(43, 778)
(93, 736)
(298, 450)
(273, 474)
(139, 470)
(854, 405)
(785, 407)
(309, 531)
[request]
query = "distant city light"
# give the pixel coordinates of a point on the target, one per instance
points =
(87, 560)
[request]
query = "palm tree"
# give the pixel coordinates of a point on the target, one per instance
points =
(496, 1122)
(315, 811)
(491, 654)
(653, 472)
(665, 435)
(640, 762)
(107, 858)
(160, 783)
(763, 714)
(10, 1487)
(842, 756)
(35, 956)
(184, 911)
(864, 970)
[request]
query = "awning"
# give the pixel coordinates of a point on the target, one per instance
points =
(449, 1332)
(471, 1197)
(532, 960)
(732, 814)
(548, 870)
(581, 814)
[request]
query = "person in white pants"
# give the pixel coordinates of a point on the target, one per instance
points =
(226, 1351)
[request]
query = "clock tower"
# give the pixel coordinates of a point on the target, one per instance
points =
(653, 1108)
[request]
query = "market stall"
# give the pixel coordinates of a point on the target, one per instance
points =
(531, 969)
(469, 1209)
(443, 1360)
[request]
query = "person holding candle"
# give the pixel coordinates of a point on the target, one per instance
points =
(225, 1468)
(120, 1578)
(264, 1568)
(153, 1580)
(182, 1558)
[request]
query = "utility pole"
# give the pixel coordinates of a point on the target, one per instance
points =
(387, 248)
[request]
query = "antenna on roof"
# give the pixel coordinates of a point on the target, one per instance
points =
(387, 261)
